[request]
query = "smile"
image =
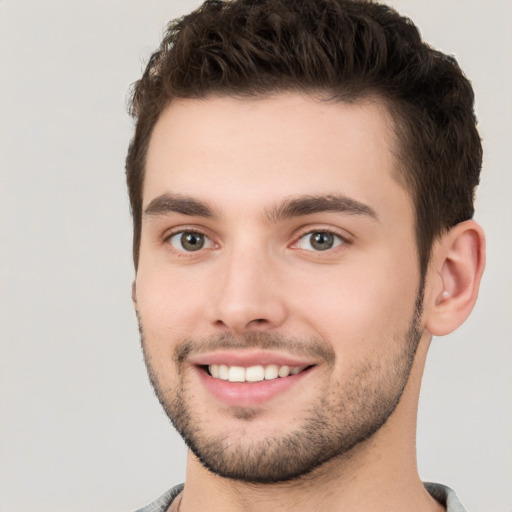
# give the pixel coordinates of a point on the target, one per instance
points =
(247, 382)
(256, 373)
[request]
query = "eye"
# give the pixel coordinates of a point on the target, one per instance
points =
(190, 241)
(319, 241)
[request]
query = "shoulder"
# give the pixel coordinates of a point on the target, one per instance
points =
(440, 492)
(163, 502)
(445, 496)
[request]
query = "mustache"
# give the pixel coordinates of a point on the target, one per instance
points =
(315, 348)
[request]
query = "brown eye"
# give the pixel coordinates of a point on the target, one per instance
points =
(319, 241)
(189, 241)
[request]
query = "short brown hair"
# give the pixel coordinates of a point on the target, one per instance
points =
(346, 49)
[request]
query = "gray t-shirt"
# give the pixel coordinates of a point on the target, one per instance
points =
(441, 493)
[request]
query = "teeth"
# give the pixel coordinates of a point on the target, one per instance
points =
(252, 373)
(223, 372)
(255, 374)
(271, 371)
(236, 374)
(284, 371)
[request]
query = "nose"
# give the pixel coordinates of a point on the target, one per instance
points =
(248, 293)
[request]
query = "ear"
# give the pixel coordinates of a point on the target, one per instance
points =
(457, 265)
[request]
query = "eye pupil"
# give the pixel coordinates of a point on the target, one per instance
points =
(192, 241)
(322, 241)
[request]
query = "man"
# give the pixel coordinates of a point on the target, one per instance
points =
(301, 181)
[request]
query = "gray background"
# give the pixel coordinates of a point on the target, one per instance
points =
(79, 427)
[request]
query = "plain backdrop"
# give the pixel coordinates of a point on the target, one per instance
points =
(80, 429)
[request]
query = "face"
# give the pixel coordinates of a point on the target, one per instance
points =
(278, 283)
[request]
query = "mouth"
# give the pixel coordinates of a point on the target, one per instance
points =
(248, 384)
(257, 373)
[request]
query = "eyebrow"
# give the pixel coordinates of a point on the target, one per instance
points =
(308, 205)
(293, 207)
(175, 203)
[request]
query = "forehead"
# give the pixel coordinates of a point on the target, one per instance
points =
(250, 151)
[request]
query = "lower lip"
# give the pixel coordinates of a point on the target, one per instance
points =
(248, 394)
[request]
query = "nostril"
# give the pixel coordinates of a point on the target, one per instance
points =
(257, 321)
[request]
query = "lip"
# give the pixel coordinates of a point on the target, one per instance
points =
(248, 358)
(248, 394)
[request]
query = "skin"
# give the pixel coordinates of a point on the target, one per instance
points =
(244, 159)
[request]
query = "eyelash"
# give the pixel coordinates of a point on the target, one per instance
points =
(339, 241)
(190, 231)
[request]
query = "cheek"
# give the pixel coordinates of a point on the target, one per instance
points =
(359, 306)
(165, 306)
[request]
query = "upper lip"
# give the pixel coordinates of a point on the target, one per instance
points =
(247, 358)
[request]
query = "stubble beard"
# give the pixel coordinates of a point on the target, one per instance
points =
(345, 415)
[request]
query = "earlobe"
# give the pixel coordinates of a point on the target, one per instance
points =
(458, 262)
